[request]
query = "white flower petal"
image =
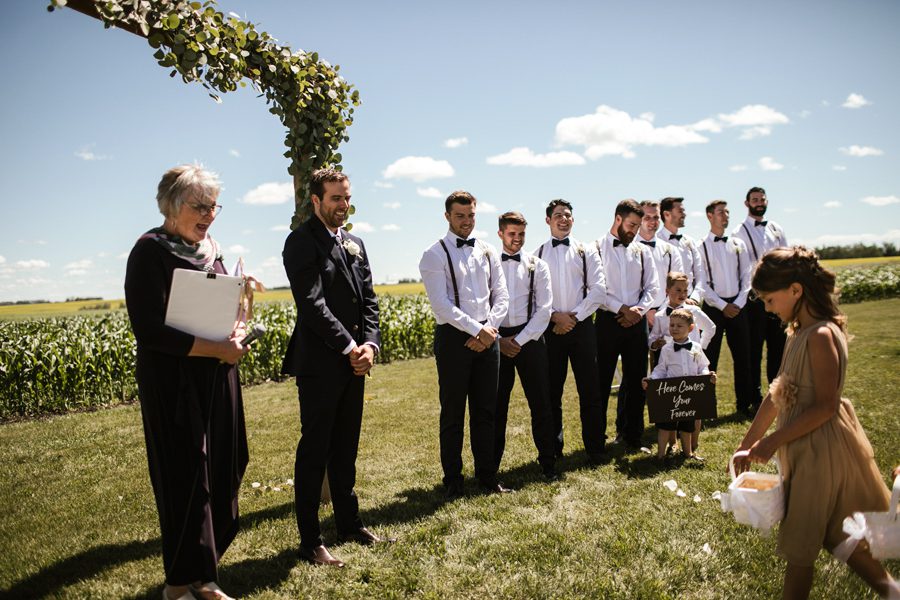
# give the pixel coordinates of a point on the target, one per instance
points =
(671, 485)
(289, 482)
(697, 498)
(680, 493)
(255, 484)
(716, 495)
(707, 548)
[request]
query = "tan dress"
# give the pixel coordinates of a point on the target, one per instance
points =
(830, 472)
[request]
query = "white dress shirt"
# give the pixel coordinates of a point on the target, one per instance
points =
(479, 277)
(518, 281)
(702, 333)
(567, 277)
(691, 261)
(623, 267)
(684, 363)
(728, 271)
(666, 258)
(761, 238)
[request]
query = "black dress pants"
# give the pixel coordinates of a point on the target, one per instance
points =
(330, 420)
(532, 365)
(465, 374)
(737, 330)
(768, 328)
(630, 343)
(580, 347)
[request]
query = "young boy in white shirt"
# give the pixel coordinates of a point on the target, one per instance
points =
(680, 357)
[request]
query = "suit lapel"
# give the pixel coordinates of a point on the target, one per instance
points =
(334, 252)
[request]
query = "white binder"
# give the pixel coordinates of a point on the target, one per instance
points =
(204, 304)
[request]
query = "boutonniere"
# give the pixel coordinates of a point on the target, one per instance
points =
(667, 249)
(532, 264)
(635, 249)
(735, 247)
(687, 243)
(352, 248)
(579, 247)
(695, 352)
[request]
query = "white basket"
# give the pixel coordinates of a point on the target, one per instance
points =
(755, 499)
(880, 529)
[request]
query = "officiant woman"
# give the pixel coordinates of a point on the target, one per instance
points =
(189, 391)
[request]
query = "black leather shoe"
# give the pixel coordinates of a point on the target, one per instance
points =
(365, 537)
(550, 474)
(319, 556)
(453, 490)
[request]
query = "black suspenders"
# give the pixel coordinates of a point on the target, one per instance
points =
(641, 295)
(752, 245)
(453, 277)
(709, 269)
(584, 285)
(531, 288)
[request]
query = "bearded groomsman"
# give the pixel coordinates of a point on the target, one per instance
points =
(760, 236)
(632, 286)
(672, 212)
(464, 281)
(522, 345)
(724, 300)
(576, 279)
(666, 257)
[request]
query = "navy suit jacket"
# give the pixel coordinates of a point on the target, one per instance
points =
(335, 301)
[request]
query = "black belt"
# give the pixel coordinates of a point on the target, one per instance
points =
(730, 300)
(511, 331)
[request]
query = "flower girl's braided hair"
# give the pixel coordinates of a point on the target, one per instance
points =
(781, 267)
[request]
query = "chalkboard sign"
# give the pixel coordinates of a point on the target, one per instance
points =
(681, 398)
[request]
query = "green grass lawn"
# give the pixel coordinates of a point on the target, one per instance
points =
(77, 517)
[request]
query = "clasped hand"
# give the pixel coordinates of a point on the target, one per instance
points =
(484, 339)
(629, 316)
(563, 322)
(362, 358)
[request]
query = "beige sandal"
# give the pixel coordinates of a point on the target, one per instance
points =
(187, 595)
(210, 591)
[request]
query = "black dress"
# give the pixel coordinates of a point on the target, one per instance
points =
(193, 418)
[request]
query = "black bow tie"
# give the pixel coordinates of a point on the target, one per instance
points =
(676, 236)
(619, 243)
(723, 238)
(557, 242)
(760, 223)
(651, 244)
(686, 346)
(515, 257)
(469, 242)
(669, 310)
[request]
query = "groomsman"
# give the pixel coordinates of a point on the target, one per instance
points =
(632, 286)
(673, 213)
(464, 281)
(727, 265)
(578, 288)
(522, 345)
(666, 257)
(760, 236)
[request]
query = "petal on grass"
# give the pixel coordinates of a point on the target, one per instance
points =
(255, 484)
(680, 493)
(716, 495)
(671, 485)
(707, 548)
(697, 498)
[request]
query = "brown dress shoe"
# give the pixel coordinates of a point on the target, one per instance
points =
(365, 537)
(319, 556)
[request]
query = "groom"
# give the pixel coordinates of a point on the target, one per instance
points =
(332, 348)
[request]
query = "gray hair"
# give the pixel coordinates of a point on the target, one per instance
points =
(186, 182)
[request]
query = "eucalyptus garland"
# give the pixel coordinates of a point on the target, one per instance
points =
(220, 51)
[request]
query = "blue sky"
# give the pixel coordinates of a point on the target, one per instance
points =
(517, 102)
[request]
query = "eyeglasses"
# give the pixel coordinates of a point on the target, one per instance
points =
(205, 209)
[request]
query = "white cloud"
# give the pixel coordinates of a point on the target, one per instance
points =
(755, 132)
(238, 249)
(524, 157)
(753, 115)
(429, 192)
(737, 168)
(78, 265)
(362, 227)
(123, 256)
(791, 209)
(385, 185)
(390, 227)
(855, 101)
(860, 151)
(2, 259)
(609, 131)
(456, 142)
(280, 228)
(838, 167)
(85, 153)
(487, 208)
(32, 264)
(270, 193)
(840, 239)
(234, 153)
(805, 113)
(880, 200)
(697, 213)
(832, 204)
(76, 272)
(418, 169)
(767, 163)
(392, 205)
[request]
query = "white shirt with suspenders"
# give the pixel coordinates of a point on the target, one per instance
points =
(530, 295)
(667, 258)
(691, 261)
(576, 276)
(760, 236)
(727, 264)
(628, 286)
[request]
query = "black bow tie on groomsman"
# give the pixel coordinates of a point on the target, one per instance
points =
(723, 238)
(676, 236)
(469, 242)
(651, 244)
(505, 257)
(686, 346)
(761, 223)
(619, 243)
(556, 242)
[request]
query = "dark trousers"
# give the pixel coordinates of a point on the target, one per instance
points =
(768, 328)
(330, 419)
(737, 330)
(580, 347)
(465, 374)
(630, 343)
(532, 364)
